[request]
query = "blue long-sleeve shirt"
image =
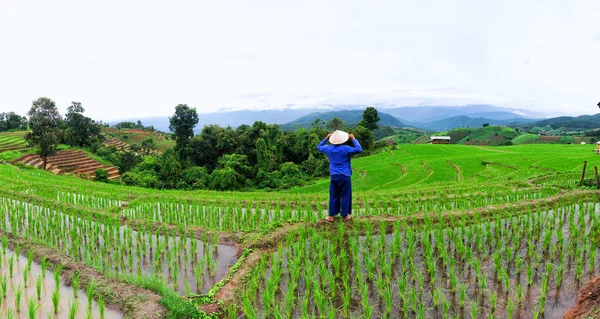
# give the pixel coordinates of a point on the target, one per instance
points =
(339, 156)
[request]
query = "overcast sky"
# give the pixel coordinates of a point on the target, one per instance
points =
(125, 59)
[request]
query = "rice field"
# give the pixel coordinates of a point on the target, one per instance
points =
(30, 290)
(439, 231)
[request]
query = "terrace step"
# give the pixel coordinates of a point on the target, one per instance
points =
(81, 163)
(14, 148)
(89, 170)
(73, 162)
(87, 165)
(28, 159)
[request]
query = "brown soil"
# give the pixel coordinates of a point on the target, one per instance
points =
(588, 303)
(133, 301)
(227, 292)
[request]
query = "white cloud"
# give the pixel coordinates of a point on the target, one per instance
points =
(133, 59)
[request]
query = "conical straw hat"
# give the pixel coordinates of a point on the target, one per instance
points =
(338, 137)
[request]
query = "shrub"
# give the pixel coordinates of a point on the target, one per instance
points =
(226, 179)
(196, 177)
(101, 175)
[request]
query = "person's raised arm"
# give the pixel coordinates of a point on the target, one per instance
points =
(357, 148)
(321, 146)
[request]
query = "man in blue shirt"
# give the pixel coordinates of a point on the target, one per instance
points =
(340, 186)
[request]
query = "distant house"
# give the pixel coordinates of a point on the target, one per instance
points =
(439, 140)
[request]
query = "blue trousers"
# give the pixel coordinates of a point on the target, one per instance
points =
(340, 195)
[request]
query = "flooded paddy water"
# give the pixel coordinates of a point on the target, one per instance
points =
(189, 265)
(19, 281)
(529, 266)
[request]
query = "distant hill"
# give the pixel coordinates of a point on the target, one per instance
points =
(467, 121)
(568, 123)
(410, 115)
(417, 115)
(230, 118)
(490, 135)
(348, 116)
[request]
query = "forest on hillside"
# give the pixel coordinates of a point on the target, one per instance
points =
(258, 156)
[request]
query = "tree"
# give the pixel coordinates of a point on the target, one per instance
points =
(81, 130)
(12, 121)
(196, 177)
(226, 179)
(101, 175)
(44, 120)
(127, 160)
(182, 124)
(370, 118)
(204, 149)
(263, 157)
(335, 124)
(486, 124)
(364, 136)
(290, 175)
(237, 162)
(170, 169)
(148, 145)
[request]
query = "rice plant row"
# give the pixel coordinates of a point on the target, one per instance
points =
(30, 290)
(528, 266)
(189, 265)
(240, 216)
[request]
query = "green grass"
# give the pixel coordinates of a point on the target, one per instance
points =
(404, 136)
(505, 164)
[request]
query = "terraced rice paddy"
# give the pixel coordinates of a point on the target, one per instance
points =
(439, 232)
(12, 141)
(30, 290)
(525, 266)
(70, 161)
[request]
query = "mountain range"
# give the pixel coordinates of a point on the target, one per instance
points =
(348, 116)
(427, 117)
(431, 118)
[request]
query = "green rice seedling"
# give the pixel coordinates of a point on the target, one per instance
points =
(32, 308)
(29, 259)
(10, 314)
(38, 287)
(530, 274)
(462, 295)
(520, 294)
(11, 265)
(55, 298)
(18, 295)
(73, 307)
(474, 309)
(90, 294)
(4, 285)
(25, 276)
(232, 311)
(56, 275)
(75, 284)
(493, 301)
(175, 274)
(44, 264)
(510, 308)
(101, 306)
